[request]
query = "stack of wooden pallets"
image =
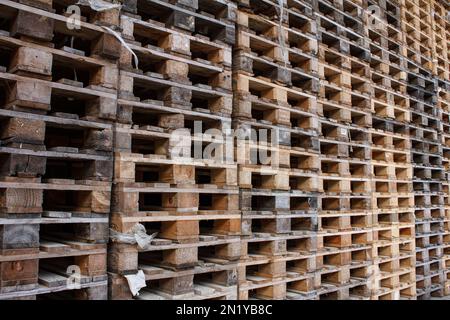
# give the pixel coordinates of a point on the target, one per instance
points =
(441, 57)
(275, 75)
(426, 148)
(58, 105)
(393, 200)
(346, 218)
(181, 88)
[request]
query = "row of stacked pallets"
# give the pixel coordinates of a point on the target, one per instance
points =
(58, 101)
(426, 127)
(181, 87)
(218, 149)
(391, 159)
(275, 78)
(441, 67)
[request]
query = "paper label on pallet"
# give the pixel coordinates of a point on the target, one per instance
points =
(136, 282)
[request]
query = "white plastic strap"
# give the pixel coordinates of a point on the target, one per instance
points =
(74, 70)
(115, 34)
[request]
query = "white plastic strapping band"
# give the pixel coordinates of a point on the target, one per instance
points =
(115, 34)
